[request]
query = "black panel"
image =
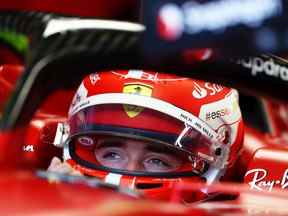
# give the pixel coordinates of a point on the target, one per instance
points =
(253, 113)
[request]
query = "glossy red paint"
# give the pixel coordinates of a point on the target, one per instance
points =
(277, 113)
(7, 56)
(9, 74)
(268, 169)
(22, 193)
(261, 151)
(96, 8)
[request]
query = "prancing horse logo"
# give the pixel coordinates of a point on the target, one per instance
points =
(139, 89)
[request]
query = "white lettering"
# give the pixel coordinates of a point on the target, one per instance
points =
(210, 89)
(213, 91)
(284, 182)
(259, 183)
(217, 16)
(28, 148)
(284, 73)
(269, 67)
(214, 88)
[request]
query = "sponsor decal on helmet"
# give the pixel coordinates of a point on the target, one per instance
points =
(94, 78)
(200, 92)
(217, 114)
(225, 111)
(266, 66)
(79, 96)
(137, 74)
(138, 89)
(142, 75)
(86, 141)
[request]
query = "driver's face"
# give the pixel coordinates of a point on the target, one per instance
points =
(135, 155)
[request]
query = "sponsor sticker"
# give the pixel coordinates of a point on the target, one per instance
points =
(139, 74)
(260, 181)
(28, 148)
(142, 75)
(225, 111)
(86, 141)
(208, 89)
(217, 113)
(94, 78)
(80, 95)
(138, 89)
(199, 92)
(267, 66)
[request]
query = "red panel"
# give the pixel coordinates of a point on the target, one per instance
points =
(9, 74)
(98, 8)
(268, 169)
(7, 56)
(253, 140)
(56, 104)
(38, 149)
(30, 195)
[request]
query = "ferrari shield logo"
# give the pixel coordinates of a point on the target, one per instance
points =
(139, 89)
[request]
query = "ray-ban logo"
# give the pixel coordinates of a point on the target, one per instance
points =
(259, 180)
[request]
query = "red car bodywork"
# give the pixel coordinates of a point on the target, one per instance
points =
(260, 172)
(113, 9)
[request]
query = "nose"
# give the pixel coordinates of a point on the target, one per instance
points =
(133, 165)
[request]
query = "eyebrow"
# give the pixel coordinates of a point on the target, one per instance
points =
(109, 143)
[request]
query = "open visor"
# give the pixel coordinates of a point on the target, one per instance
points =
(143, 140)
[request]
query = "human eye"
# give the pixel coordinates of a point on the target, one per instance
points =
(157, 164)
(109, 150)
(111, 157)
(109, 153)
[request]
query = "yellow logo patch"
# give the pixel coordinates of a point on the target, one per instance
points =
(139, 89)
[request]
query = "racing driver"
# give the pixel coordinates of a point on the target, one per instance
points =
(149, 131)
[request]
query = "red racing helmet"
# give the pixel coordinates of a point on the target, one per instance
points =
(177, 129)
